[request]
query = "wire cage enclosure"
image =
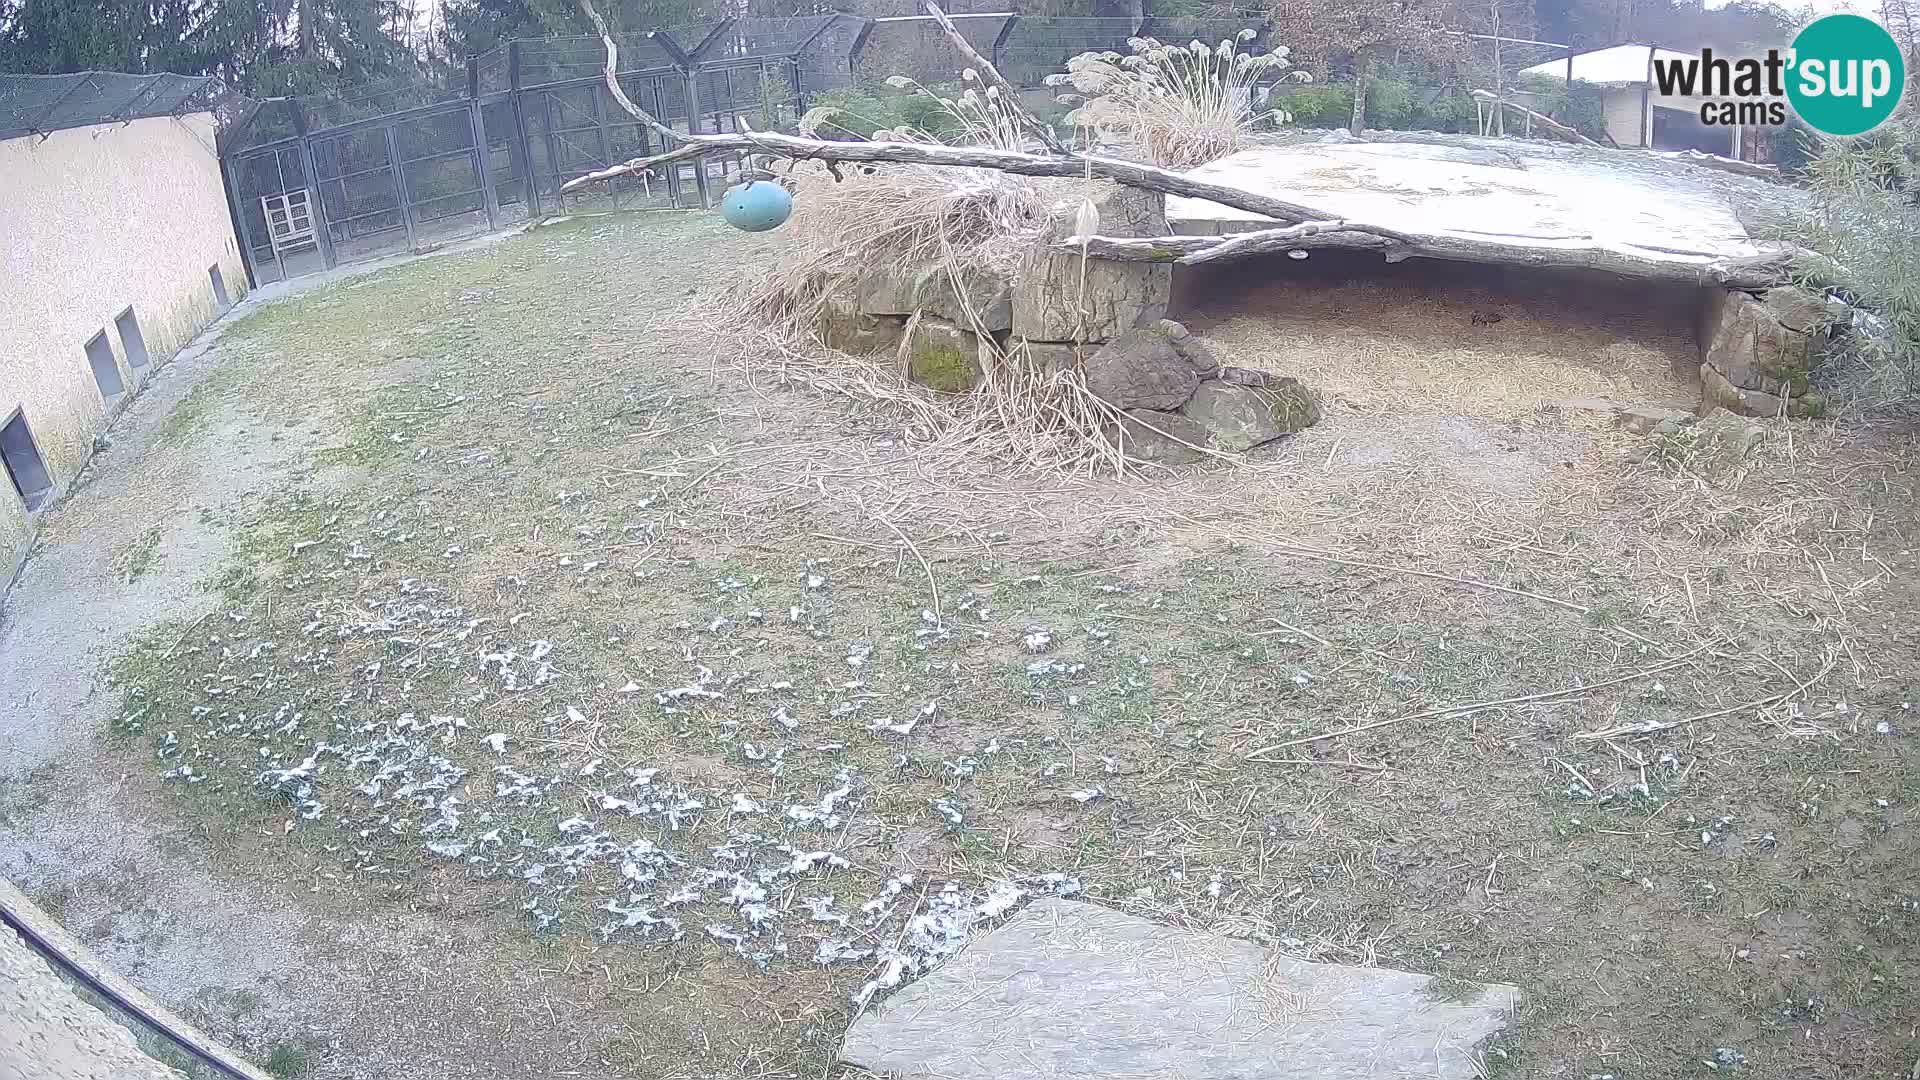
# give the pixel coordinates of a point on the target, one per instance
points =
(410, 166)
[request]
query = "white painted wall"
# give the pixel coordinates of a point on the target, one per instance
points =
(93, 220)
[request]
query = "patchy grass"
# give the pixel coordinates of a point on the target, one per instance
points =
(22, 798)
(1513, 716)
(138, 559)
(287, 1061)
(194, 413)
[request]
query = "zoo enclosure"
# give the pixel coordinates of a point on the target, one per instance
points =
(318, 181)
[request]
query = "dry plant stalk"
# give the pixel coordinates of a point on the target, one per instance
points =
(1185, 105)
(965, 224)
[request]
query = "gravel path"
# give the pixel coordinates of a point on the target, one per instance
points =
(94, 844)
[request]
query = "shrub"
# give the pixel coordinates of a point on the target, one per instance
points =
(857, 112)
(1185, 105)
(775, 99)
(1577, 105)
(1863, 235)
(1322, 106)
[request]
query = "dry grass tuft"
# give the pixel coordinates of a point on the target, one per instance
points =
(893, 216)
(963, 222)
(1020, 418)
(1185, 105)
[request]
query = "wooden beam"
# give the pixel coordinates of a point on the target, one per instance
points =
(64, 953)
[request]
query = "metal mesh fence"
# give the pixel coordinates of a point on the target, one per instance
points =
(1038, 47)
(373, 100)
(39, 104)
(555, 60)
(916, 47)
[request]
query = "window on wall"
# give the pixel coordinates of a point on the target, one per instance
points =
(106, 370)
(220, 298)
(131, 341)
(23, 462)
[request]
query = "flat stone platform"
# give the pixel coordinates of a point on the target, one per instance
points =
(1069, 989)
(1494, 189)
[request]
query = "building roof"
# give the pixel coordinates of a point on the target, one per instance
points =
(37, 104)
(1620, 64)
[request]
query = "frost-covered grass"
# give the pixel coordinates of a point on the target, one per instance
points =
(750, 713)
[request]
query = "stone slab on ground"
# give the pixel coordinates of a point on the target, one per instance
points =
(1069, 989)
(1639, 419)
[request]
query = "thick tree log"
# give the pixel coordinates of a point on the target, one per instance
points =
(1130, 173)
(1761, 272)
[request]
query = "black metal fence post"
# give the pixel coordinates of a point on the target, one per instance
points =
(520, 147)
(693, 128)
(1006, 31)
(230, 173)
(400, 187)
(553, 150)
(308, 165)
(482, 153)
(600, 94)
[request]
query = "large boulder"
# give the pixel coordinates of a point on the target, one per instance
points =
(931, 289)
(1717, 391)
(845, 327)
(1756, 351)
(1166, 438)
(1158, 367)
(1050, 302)
(1796, 308)
(1242, 408)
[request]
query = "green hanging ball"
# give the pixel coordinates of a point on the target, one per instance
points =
(756, 206)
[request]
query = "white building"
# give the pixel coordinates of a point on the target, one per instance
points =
(1636, 113)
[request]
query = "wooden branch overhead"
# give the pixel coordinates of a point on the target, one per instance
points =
(1298, 226)
(1763, 271)
(1131, 173)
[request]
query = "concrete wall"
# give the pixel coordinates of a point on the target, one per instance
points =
(94, 220)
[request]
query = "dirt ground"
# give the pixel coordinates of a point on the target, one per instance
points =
(467, 670)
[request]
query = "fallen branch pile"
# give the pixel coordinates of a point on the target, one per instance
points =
(1299, 227)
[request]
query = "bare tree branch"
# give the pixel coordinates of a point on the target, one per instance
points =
(613, 81)
(1130, 173)
(1544, 121)
(1010, 95)
(1286, 239)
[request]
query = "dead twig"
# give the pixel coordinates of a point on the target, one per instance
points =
(1650, 726)
(1477, 706)
(933, 587)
